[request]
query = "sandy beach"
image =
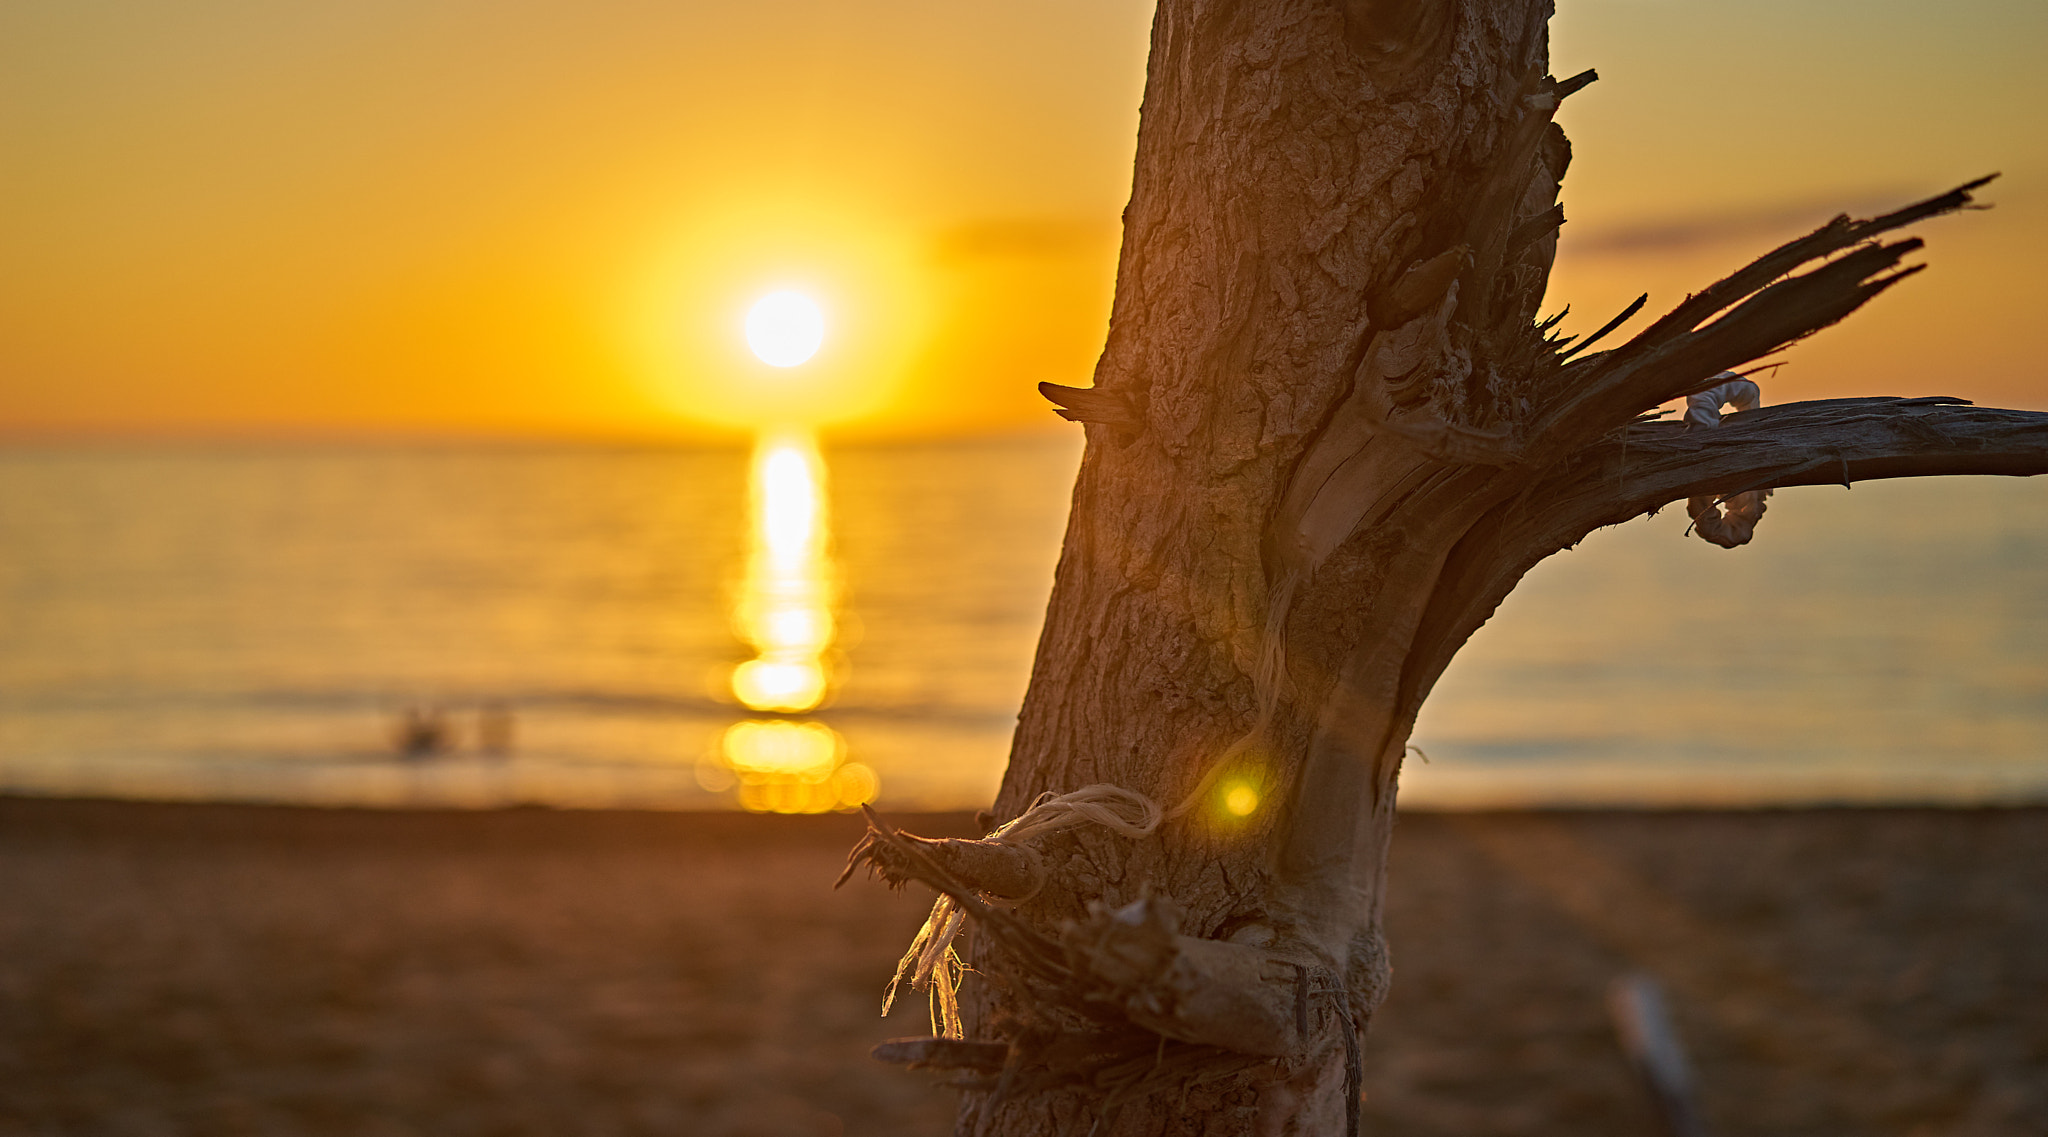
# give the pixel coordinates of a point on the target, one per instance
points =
(222, 970)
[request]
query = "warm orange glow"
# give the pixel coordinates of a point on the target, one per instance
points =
(214, 223)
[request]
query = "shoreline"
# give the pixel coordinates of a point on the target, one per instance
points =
(1566, 790)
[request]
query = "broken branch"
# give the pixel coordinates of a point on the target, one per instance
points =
(1761, 310)
(1825, 442)
(1093, 404)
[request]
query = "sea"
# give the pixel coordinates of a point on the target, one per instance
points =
(470, 626)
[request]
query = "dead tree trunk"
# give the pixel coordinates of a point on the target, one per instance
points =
(1328, 434)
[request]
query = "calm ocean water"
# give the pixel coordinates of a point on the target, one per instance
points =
(251, 623)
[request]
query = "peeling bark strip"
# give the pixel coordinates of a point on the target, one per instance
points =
(1327, 435)
(1745, 507)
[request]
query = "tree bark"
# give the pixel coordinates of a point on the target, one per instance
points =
(1327, 436)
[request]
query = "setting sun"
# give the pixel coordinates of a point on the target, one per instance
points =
(732, 318)
(785, 328)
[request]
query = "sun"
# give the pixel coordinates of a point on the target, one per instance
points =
(779, 313)
(785, 328)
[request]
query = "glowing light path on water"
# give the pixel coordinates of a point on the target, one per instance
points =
(785, 606)
(786, 612)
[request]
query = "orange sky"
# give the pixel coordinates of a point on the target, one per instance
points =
(528, 218)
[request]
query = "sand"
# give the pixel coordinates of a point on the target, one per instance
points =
(223, 970)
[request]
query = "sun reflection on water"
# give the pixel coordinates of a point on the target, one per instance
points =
(785, 612)
(785, 605)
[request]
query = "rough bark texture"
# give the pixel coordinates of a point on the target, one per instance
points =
(1326, 437)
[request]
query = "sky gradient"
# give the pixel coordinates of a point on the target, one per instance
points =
(228, 217)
